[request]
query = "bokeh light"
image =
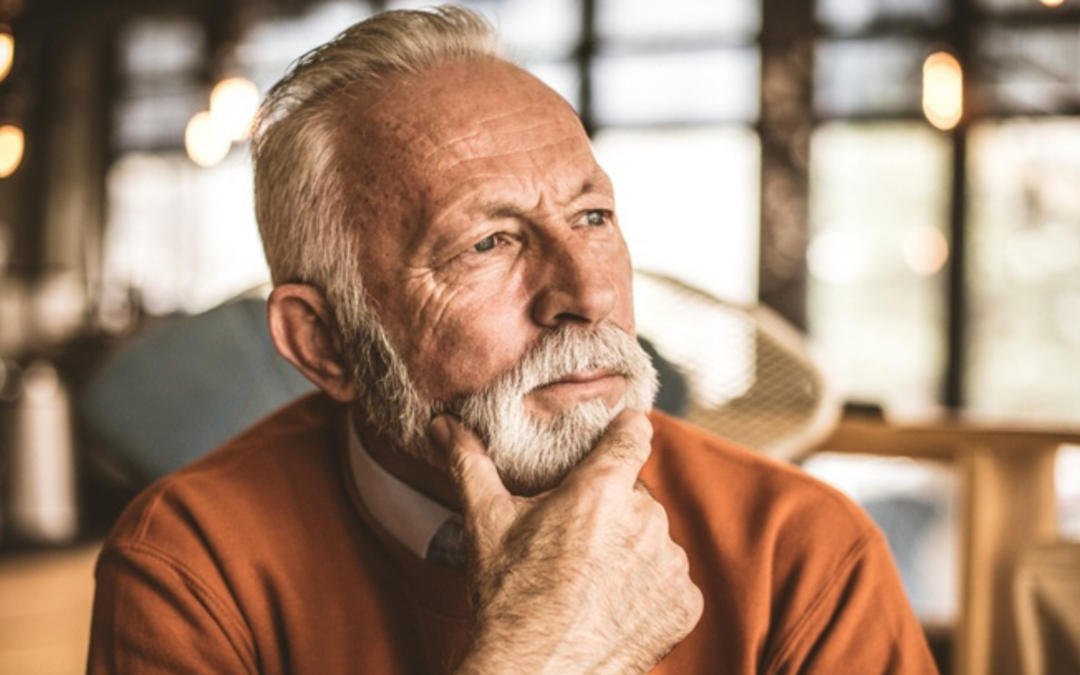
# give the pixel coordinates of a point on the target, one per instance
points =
(205, 141)
(839, 256)
(943, 90)
(233, 104)
(12, 145)
(7, 52)
(925, 250)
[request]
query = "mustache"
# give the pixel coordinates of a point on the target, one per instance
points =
(556, 355)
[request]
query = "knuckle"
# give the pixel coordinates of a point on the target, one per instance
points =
(684, 560)
(688, 604)
(650, 511)
(690, 611)
(604, 486)
(695, 606)
(461, 469)
(653, 526)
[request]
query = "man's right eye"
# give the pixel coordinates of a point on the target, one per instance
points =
(485, 244)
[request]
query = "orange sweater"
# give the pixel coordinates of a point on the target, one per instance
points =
(259, 559)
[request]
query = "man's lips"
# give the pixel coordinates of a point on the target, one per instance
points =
(585, 377)
(603, 384)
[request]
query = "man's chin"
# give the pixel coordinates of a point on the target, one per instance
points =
(537, 457)
(537, 483)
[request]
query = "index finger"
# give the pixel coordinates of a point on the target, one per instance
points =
(622, 449)
(472, 472)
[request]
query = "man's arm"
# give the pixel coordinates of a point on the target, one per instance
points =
(582, 579)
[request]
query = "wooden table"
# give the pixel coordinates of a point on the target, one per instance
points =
(45, 601)
(1006, 474)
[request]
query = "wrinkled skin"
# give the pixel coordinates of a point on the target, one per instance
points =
(494, 224)
(489, 224)
(584, 579)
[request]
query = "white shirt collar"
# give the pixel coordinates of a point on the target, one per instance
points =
(408, 515)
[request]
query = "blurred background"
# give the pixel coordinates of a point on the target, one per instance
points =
(898, 179)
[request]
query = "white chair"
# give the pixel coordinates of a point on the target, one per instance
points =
(749, 374)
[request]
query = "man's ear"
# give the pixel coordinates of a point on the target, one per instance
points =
(302, 328)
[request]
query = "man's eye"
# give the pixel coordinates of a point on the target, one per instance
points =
(485, 244)
(597, 217)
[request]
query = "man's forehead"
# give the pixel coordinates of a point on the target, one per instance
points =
(461, 135)
(465, 104)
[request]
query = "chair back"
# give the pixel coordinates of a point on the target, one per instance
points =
(749, 375)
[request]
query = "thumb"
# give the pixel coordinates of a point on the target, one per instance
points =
(471, 470)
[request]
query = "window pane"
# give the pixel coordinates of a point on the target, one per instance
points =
(562, 76)
(270, 45)
(156, 47)
(1032, 6)
(534, 30)
(529, 29)
(159, 62)
(914, 503)
(679, 19)
(848, 15)
(1067, 480)
(180, 237)
(865, 77)
(1025, 276)
(688, 203)
(156, 121)
(1032, 69)
(878, 201)
(713, 86)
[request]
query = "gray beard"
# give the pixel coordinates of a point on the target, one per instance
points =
(534, 454)
(531, 455)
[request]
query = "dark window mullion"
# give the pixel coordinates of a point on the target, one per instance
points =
(962, 38)
(785, 127)
(584, 57)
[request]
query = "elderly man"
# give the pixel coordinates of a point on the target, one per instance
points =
(477, 488)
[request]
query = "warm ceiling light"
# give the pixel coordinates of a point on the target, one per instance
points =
(233, 104)
(7, 52)
(12, 145)
(1052, 3)
(204, 141)
(943, 90)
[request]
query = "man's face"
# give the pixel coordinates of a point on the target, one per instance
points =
(492, 227)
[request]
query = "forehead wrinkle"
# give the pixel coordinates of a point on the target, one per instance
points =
(477, 139)
(595, 181)
(497, 208)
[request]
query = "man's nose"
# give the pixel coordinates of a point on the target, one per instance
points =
(576, 287)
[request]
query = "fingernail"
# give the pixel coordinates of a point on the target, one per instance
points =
(439, 431)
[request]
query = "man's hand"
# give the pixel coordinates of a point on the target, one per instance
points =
(582, 579)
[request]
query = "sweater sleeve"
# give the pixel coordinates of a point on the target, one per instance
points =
(153, 616)
(860, 622)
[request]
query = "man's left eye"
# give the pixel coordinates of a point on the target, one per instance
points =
(485, 244)
(597, 217)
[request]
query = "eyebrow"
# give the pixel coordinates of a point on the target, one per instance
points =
(500, 209)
